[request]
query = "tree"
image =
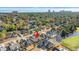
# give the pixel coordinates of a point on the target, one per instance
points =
(3, 34)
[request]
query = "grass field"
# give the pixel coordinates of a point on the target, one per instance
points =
(72, 43)
(77, 29)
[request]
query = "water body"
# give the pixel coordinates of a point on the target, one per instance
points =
(74, 34)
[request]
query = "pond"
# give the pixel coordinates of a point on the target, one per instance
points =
(74, 34)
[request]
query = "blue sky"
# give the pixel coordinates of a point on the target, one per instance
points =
(37, 9)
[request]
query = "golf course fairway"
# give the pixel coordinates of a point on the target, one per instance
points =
(72, 43)
(77, 29)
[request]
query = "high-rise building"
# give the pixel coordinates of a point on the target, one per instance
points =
(48, 13)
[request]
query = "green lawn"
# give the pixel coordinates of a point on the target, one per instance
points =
(77, 29)
(71, 43)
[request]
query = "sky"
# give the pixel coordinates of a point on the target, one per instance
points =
(38, 3)
(38, 9)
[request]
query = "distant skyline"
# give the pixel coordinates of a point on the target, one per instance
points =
(38, 9)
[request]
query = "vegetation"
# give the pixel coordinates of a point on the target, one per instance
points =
(77, 29)
(71, 43)
(62, 22)
(3, 34)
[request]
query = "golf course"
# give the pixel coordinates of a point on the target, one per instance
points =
(72, 42)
